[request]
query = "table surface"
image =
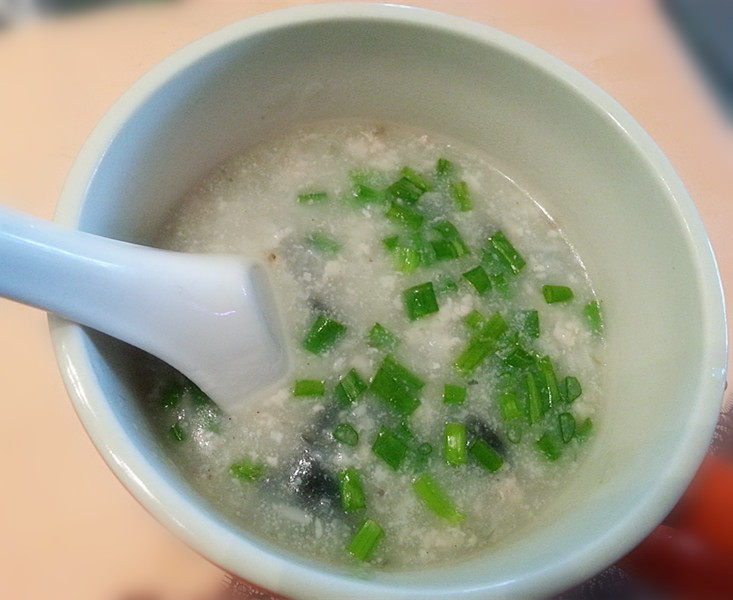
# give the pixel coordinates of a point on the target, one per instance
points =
(69, 528)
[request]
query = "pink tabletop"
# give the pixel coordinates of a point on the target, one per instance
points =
(70, 531)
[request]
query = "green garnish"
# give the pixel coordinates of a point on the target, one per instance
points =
(534, 406)
(447, 249)
(415, 178)
(390, 243)
(436, 499)
(556, 293)
(324, 243)
(366, 186)
(363, 543)
(572, 389)
(509, 406)
(406, 190)
(474, 320)
(444, 168)
(397, 386)
(547, 445)
(420, 301)
(566, 426)
(485, 455)
(246, 469)
(346, 434)
(461, 196)
(404, 215)
(479, 279)
(352, 493)
(444, 285)
(474, 354)
(349, 388)
(367, 195)
(592, 312)
(527, 322)
(503, 248)
(583, 430)
(309, 387)
(389, 448)
(176, 433)
(405, 259)
(550, 381)
(312, 198)
(381, 338)
(454, 394)
(493, 328)
(519, 357)
(323, 334)
(454, 443)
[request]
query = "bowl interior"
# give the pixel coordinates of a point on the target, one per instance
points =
(547, 128)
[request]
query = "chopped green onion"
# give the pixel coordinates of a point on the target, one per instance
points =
(349, 388)
(493, 328)
(479, 279)
(404, 215)
(420, 301)
(474, 320)
(506, 252)
(424, 249)
(461, 196)
(346, 434)
(172, 394)
(176, 433)
(246, 469)
(499, 283)
(445, 285)
(405, 259)
(352, 493)
(486, 456)
(366, 186)
(454, 443)
(547, 445)
(509, 406)
(447, 249)
(381, 338)
(519, 358)
(474, 354)
(444, 168)
(583, 430)
(324, 243)
(415, 178)
(363, 543)
(447, 230)
(534, 407)
(527, 322)
(572, 389)
(403, 432)
(367, 195)
(454, 394)
(323, 334)
(312, 198)
(566, 426)
(309, 387)
(397, 386)
(547, 372)
(389, 448)
(391, 242)
(556, 293)
(436, 499)
(405, 190)
(592, 312)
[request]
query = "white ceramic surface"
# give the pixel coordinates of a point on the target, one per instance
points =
(550, 129)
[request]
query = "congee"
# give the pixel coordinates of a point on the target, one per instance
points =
(445, 342)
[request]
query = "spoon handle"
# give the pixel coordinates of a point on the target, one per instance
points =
(203, 314)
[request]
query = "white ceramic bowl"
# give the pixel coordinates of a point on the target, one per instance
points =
(550, 129)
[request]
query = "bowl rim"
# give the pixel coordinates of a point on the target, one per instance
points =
(276, 571)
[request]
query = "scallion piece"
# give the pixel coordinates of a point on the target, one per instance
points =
(389, 448)
(405, 259)
(405, 190)
(397, 386)
(404, 432)
(352, 492)
(547, 371)
(323, 243)
(346, 434)
(548, 445)
(479, 279)
(312, 198)
(445, 285)
(527, 322)
(461, 196)
(415, 178)
(309, 387)
(486, 456)
(436, 499)
(572, 389)
(566, 426)
(592, 312)
(323, 334)
(583, 430)
(447, 249)
(474, 320)
(519, 357)
(349, 388)
(493, 328)
(509, 406)
(423, 248)
(420, 301)
(366, 186)
(365, 194)
(534, 406)
(391, 242)
(556, 293)
(246, 469)
(503, 248)
(474, 354)
(444, 168)
(454, 394)
(176, 433)
(381, 338)
(454, 443)
(404, 215)
(363, 543)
